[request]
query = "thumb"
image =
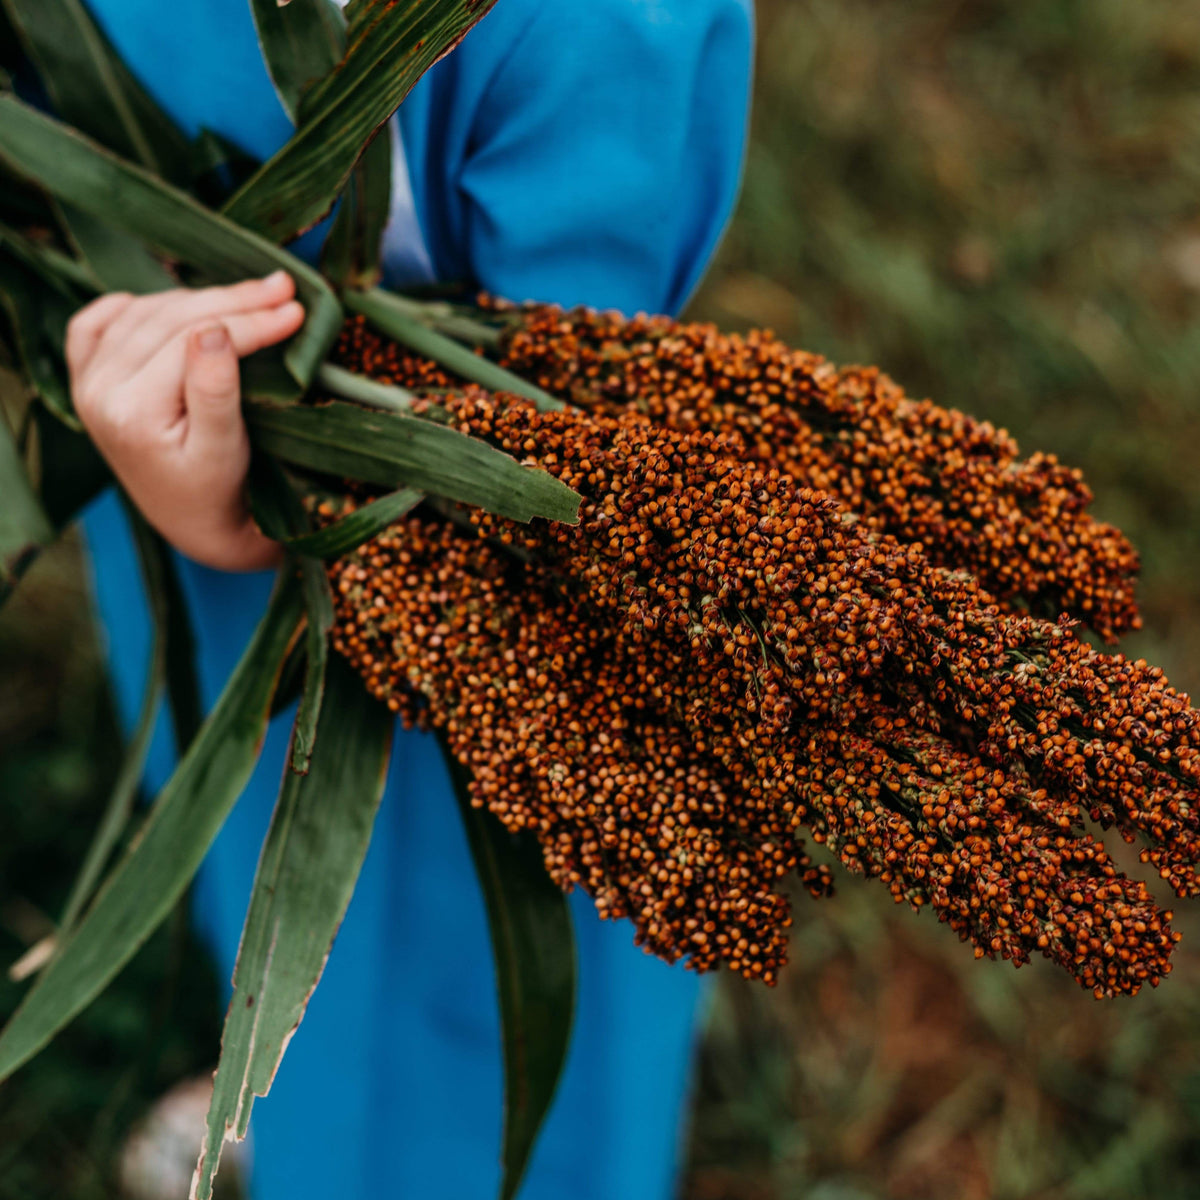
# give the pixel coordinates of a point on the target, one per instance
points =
(212, 392)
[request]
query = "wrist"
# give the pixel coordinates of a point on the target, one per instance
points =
(238, 546)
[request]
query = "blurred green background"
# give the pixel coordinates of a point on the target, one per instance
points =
(999, 203)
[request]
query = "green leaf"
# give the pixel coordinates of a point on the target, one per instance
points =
(11, 54)
(219, 167)
(348, 533)
(119, 261)
(92, 89)
(310, 863)
(399, 318)
(119, 810)
(392, 45)
(281, 515)
(353, 252)
(301, 43)
(183, 677)
(25, 529)
(82, 173)
(394, 450)
(38, 311)
(533, 941)
(60, 271)
(145, 885)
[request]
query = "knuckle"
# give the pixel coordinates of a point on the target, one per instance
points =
(90, 396)
(125, 429)
(86, 404)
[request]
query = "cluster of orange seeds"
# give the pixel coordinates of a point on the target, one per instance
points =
(563, 734)
(910, 468)
(715, 657)
(654, 804)
(810, 615)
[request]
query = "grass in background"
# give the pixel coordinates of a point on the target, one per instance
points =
(63, 1119)
(999, 203)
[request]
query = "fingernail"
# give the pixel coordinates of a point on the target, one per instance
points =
(276, 276)
(215, 337)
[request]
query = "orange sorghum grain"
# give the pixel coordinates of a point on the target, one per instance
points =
(661, 811)
(714, 657)
(810, 615)
(911, 468)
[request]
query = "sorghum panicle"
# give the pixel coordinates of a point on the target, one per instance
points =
(912, 469)
(816, 616)
(675, 823)
(715, 657)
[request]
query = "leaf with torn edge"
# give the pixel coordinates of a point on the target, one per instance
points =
(180, 826)
(301, 42)
(392, 44)
(310, 863)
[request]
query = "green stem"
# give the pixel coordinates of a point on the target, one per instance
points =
(365, 391)
(404, 320)
(451, 320)
(49, 264)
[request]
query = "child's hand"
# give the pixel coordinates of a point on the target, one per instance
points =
(155, 382)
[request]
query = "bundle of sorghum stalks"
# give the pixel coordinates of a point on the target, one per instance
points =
(719, 655)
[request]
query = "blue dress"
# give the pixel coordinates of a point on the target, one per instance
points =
(581, 151)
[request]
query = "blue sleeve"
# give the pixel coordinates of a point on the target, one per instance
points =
(603, 151)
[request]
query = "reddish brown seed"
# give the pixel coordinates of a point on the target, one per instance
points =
(715, 658)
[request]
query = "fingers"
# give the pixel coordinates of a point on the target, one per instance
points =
(257, 330)
(212, 392)
(86, 327)
(135, 335)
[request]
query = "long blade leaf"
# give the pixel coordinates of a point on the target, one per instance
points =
(301, 41)
(394, 42)
(120, 806)
(395, 316)
(281, 515)
(394, 450)
(119, 261)
(310, 863)
(38, 311)
(348, 533)
(72, 471)
(83, 173)
(172, 671)
(183, 676)
(147, 882)
(533, 941)
(353, 254)
(92, 89)
(25, 529)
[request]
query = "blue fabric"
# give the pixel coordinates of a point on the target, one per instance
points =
(585, 151)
